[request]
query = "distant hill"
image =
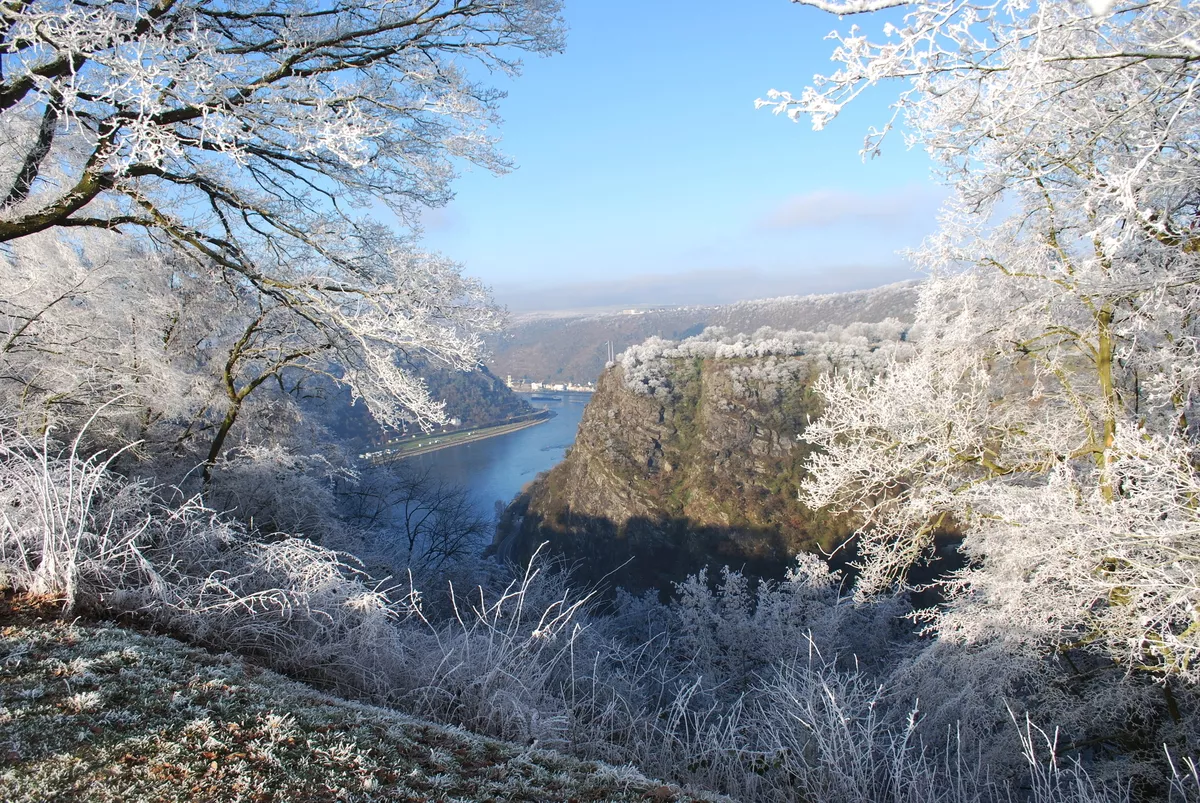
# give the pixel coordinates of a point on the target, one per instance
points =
(476, 398)
(571, 348)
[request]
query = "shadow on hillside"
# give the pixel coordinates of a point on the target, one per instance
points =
(645, 553)
(655, 553)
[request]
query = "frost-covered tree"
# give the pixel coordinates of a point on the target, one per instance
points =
(261, 118)
(88, 331)
(647, 366)
(249, 135)
(190, 361)
(1049, 412)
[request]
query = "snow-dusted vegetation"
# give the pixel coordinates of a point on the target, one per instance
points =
(565, 346)
(763, 693)
(1049, 407)
(647, 367)
(188, 301)
(145, 718)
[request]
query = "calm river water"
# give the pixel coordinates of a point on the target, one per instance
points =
(497, 468)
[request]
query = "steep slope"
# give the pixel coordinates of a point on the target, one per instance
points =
(106, 714)
(686, 456)
(572, 348)
(476, 398)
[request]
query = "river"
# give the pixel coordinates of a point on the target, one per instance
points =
(497, 468)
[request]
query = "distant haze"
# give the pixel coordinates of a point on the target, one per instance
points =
(565, 347)
(701, 287)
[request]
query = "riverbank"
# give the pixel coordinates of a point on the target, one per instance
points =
(439, 441)
(495, 470)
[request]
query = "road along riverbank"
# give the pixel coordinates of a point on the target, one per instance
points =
(445, 440)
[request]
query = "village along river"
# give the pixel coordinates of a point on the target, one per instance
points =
(497, 468)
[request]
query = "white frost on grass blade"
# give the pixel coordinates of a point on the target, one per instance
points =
(261, 734)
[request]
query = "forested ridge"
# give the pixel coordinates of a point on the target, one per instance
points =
(574, 348)
(197, 286)
(476, 397)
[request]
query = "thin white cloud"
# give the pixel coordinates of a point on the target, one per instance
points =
(823, 208)
(713, 286)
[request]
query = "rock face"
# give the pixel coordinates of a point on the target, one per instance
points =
(658, 486)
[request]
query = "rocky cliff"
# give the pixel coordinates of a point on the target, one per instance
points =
(701, 469)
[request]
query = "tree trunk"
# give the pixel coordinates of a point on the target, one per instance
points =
(214, 451)
(33, 160)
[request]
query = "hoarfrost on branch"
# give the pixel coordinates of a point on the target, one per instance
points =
(1049, 412)
(258, 139)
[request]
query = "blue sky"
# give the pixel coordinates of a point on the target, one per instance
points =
(646, 176)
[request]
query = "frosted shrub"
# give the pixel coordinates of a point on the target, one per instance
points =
(828, 732)
(498, 667)
(290, 603)
(791, 690)
(810, 729)
(278, 488)
(648, 366)
(53, 530)
(74, 530)
(735, 631)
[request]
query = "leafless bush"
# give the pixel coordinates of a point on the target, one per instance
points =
(74, 530)
(500, 667)
(812, 730)
(410, 519)
(55, 534)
